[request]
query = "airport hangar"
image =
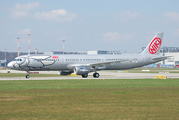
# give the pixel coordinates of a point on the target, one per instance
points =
(172, 61)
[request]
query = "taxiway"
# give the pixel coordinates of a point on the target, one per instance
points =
(103, 75)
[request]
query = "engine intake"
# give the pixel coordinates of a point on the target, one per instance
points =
(81, 70)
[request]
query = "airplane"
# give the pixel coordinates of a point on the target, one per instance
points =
(84, 64)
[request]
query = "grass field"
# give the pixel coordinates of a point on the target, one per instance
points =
(124, 99)
(24, 74)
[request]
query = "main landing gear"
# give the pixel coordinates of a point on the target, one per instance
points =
(85, 75)
(95, 75)
(27, 76)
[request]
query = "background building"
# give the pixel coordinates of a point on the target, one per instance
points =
(2, 63)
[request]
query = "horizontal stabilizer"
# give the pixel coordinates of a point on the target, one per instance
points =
(161, 58)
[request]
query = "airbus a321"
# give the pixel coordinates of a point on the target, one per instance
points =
(84, 64)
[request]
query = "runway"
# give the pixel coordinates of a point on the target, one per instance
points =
(103, 75)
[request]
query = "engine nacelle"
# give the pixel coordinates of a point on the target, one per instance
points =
(81, 70)
(65, 72)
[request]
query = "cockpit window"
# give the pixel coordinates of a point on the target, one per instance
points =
(17, 60)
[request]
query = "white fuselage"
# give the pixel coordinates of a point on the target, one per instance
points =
(83, 64)
(67, 62)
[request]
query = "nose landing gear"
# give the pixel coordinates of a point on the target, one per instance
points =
(27, 76)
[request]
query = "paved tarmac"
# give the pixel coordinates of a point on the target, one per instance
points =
(103, 75)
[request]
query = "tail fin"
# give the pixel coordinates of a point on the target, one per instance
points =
(153, 47)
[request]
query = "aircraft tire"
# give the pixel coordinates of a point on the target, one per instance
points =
(96, 75)
(27, 76)
(85, 75)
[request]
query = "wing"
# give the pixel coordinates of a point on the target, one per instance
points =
(98, 65)
(101, 65)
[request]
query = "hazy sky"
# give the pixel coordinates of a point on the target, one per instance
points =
(124, 25)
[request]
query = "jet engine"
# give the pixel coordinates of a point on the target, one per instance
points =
(81, 70)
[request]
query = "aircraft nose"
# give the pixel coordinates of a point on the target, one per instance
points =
(10, 65)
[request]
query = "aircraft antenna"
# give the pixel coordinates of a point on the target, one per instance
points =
(18, 47)
(29, 44)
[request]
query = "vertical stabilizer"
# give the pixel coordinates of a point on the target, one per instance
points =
(153, 47)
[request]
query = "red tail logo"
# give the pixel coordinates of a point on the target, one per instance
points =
(155, 45)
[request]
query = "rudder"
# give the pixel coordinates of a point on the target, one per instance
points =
(153, 47)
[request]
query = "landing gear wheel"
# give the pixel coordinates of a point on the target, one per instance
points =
(27, 76)
(85, 75)
(96, 75)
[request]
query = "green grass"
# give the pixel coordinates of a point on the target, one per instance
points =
(24, 74)
(129, 99)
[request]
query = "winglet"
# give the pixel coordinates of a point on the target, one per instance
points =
(153, 47)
